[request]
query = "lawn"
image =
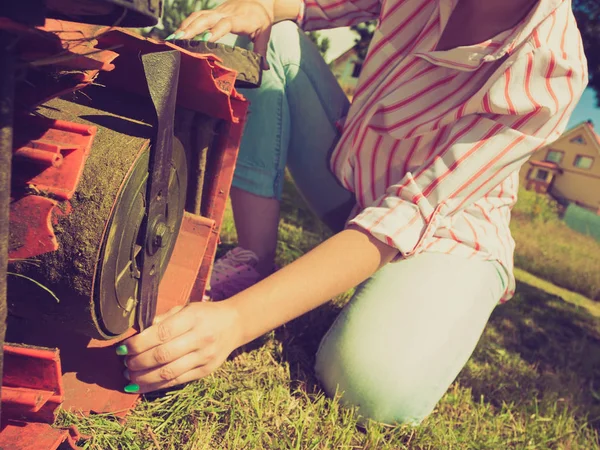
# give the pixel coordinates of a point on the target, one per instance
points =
(533, 383)
(551, 250)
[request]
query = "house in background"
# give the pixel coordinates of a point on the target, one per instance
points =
(346, 69)
(568, 169)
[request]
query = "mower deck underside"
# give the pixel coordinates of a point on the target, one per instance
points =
(50, 366)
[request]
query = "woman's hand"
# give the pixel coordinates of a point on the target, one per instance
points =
(253, 18)
(185, 344)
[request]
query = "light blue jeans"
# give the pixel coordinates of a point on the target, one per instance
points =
(408, 331)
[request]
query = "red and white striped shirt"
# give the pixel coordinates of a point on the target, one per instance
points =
(434, 140)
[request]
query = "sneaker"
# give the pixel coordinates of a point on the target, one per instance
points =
(233, 273)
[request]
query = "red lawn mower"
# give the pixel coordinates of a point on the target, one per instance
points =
(116, 159)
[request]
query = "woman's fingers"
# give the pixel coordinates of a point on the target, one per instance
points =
(248, 18)
(200, 24)
(220, 29)
(189, 19)
(192, 375)
(173, 370)
(164, 353)
(164, 331)
(169, 313)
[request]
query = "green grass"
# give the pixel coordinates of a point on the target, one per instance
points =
(574, 298)
(553, 251)
(548, 248)
(532, 383)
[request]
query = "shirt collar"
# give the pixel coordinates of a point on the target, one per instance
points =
(471, 57)
(521, 33)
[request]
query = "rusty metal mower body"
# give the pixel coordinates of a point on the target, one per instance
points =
(122, 151)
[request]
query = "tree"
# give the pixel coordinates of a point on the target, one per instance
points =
(365, 34)
(587, 13)
(173, 14)
(322, 43)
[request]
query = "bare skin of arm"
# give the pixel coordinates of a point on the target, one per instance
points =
(340, 263)
(191, 342)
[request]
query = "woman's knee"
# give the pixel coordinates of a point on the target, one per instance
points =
(285, 41)
(381, 390)
(401, 341)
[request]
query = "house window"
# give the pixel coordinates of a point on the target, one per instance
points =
(541, 175)
(578, 140)
(555, 156)
(356, 70)
(583, 162)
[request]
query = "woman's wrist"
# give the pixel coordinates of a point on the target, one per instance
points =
(286, 10)
(239, 325)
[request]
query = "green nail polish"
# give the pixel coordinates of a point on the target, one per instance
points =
(126, 374)
(131, 388)
(121, 350)
(169, 37)
(206, 36)
(178, 35)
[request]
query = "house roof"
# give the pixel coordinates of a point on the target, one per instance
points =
(344, 56)
(587, 129)
(590, 125)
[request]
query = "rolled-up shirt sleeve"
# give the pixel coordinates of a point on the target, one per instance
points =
(322, 14)
(526, 108)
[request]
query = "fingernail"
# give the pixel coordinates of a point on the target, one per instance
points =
(178, 35)
(125, 362)
(206, 36)
(169, 37)
(121, 350)
(131, 388)
(126, 374)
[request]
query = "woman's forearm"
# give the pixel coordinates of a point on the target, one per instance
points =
(338, 264)
(285, 10)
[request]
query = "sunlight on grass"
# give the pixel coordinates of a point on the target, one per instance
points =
(532, 383)
(549, 249)
(568, 296)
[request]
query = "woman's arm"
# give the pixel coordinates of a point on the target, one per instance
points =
(286, 10)
(191, 342)
(338, 264)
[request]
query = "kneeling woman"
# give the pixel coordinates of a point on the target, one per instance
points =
(417, 178)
